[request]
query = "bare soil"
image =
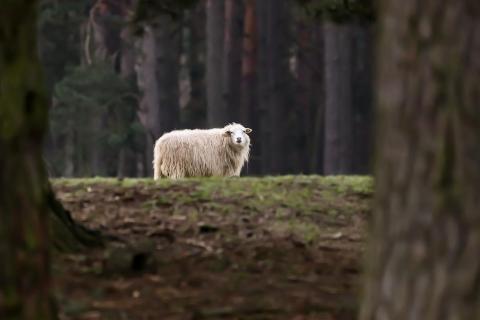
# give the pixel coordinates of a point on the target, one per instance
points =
(249, 248)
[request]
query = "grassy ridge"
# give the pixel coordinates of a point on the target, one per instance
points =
(301, 205)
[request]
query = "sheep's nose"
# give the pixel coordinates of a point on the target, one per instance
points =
(239, 140)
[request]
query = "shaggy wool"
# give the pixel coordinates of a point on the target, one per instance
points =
(202, 153)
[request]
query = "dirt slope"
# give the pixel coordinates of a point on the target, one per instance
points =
(249, 248)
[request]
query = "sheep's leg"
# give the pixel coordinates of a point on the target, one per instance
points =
(157, 170)
(237, 172)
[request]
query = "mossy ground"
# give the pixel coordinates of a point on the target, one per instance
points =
(285, 247)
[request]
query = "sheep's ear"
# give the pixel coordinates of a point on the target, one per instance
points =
(248, 130)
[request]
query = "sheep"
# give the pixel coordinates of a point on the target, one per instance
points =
(202, 152)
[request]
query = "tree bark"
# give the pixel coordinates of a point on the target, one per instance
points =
(168, 44)
(304, 94)
(278, 83)
(194, 114)
(425, 262)
(216, 108)
(273, 84)
(362, 97)
(249, 97)
(338, 152)
(232, 59)
(126, 156)
(28, 208)
(309, 119)
(317, 141)
(158, 76)
(24, 244)
(263, 133)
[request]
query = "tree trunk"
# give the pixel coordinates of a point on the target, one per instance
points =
(425, 262)
(26, 198)
(338, 152)
(278, 83)
(158, 76)
(304, 93)
(168, 44)
(232, 58)
(103, 43)
(126, 156)
(273, 84)
(309, 120)
(24, 249)
(249, 100)
(263, 134)
(362, 100)
(316, 142)
(195, 112)
(69, 147)
(216, 108)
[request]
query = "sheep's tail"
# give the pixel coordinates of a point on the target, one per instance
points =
(157, 172)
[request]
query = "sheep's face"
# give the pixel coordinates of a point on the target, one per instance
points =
(238, 135)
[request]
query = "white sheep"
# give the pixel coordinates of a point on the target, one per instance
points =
(193, 153)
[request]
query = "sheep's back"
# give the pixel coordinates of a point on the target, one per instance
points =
(195, 152)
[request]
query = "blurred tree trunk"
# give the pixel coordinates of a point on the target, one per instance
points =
(339, 124)
(362, 99)
(309, 122)
(102, 43)
(69, 146)
(273, 84)
(168, 44)
(316, 141)
(157, 74)
(28, 208)
(24, 248)
(232, 59)
(216, 108)
(425, 261)
(126, 157)
(304, 94)
(249, 98)
(195, 112)
(263, 134)
(158, 68)
(278, 83)
(106, 42)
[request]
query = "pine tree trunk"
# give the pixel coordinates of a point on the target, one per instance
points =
(362, 100)
(232, 59)
(194, 114)
(104, 44)
(248, 109)
(69, 160)
(278, 83)
(216, 108)
(158, 76)
(126, 156)
(24, 244)
(338, 152)
(309, 94)
(263, 134)
(425, 261)
(317, 132)
(304, 92)
(168, 47)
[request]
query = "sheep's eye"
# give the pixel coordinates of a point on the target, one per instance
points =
(229, 132)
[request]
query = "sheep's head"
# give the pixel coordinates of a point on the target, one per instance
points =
(237, 134)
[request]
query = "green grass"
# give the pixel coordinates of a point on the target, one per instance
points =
(293, 202)
(307, 194)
